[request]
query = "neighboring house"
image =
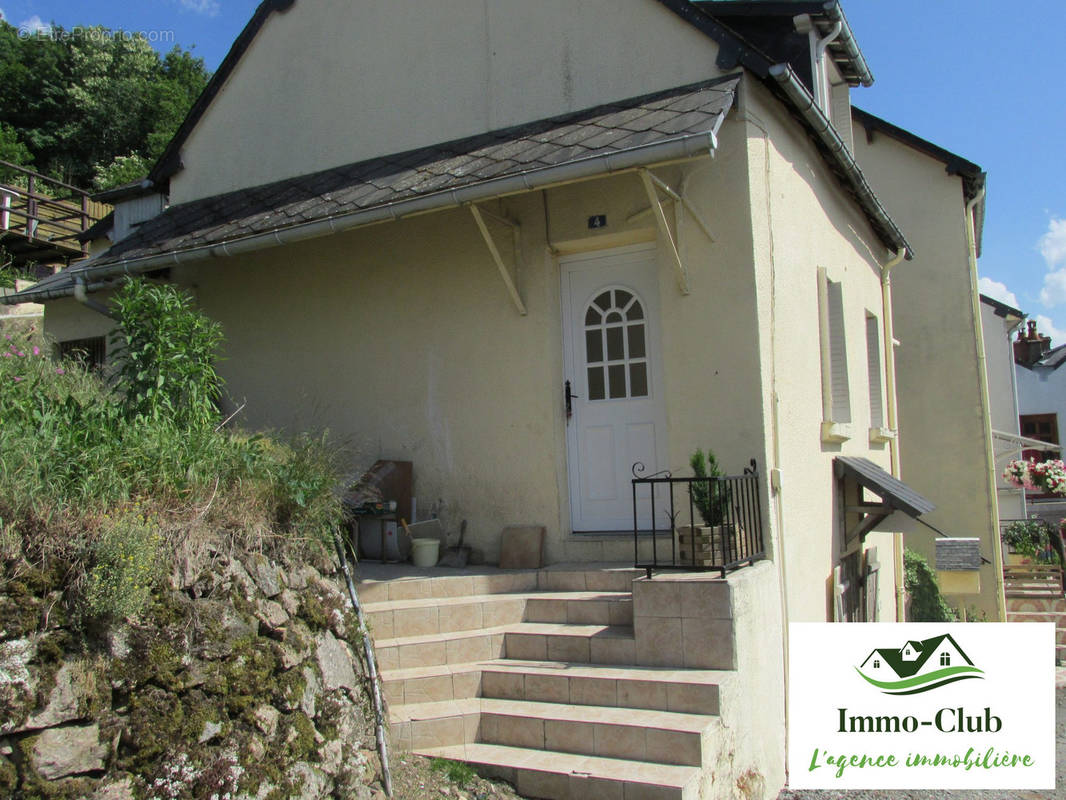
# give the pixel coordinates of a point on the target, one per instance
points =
(999, 322)
(529, 246)
(1041, 406)
(946, 446)
(915, 658)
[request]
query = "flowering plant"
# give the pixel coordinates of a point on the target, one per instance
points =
(1047, 477)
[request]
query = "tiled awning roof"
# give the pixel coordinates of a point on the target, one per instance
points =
(892, 491)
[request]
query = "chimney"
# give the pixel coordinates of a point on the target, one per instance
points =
(1030, 346)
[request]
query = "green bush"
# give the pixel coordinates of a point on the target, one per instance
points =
(927, 604)
(1030, 537)
(126, 564)
(76, 451)
(710, 500)
(164, 350)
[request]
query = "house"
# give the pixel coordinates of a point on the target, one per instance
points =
(938, 198)
(1040, 407)
(999, 322)
(539, 248)
(915, 658)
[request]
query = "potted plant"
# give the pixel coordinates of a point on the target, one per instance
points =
(717, 541)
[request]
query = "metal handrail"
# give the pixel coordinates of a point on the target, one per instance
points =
(735, 541)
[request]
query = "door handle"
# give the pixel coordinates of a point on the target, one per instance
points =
(569, 396)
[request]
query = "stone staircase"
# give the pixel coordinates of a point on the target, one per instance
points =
(1034, 594)
(543, 679)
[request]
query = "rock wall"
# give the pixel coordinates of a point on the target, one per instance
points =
(242, 680)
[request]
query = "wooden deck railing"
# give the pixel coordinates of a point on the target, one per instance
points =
(39, 209)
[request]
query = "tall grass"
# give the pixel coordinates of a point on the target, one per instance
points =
(77, 463)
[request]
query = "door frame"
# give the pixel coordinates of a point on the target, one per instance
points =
(656, 377)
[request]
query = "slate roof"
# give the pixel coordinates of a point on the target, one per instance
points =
(892, 490)
(958, 554)
(522, 150)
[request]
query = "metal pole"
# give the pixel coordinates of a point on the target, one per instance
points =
(368, 652)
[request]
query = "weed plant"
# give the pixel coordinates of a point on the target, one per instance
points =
(109, 476)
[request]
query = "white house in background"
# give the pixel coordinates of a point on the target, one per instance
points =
(1041, 405)
(999, 322)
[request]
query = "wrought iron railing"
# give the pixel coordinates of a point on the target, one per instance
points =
(712, 523)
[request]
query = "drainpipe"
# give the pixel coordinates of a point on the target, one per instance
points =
(81, 294)
(893, 425)
(821, 82)
(982, 382)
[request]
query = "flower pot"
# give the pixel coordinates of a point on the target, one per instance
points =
(709, 546)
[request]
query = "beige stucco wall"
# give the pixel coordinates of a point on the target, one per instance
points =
(804, 222)
(943, 428)
(334, 82)
(401, 339)
(68, 319)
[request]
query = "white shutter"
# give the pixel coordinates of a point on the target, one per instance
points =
(840, 104)
(838, 355)
(873, 363)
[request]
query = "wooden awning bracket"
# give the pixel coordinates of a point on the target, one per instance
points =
(664, 229)
(510, 277)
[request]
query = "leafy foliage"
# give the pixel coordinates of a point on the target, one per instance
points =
(108, 480)
(1030, 537)
(165, 349)
(82, 97)
(710, 499)
(927, 604)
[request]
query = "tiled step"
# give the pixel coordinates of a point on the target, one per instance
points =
(431, 684)
(419, 587)
(1027, 603)
(598, 644)
(661, 737)
(561, 776)
(581, 608)
(459, 647)
(424, 616)
(422, 725)
(688, 691)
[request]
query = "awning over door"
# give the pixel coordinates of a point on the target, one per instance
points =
(863, 516)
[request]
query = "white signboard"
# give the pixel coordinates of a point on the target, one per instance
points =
(922, 706)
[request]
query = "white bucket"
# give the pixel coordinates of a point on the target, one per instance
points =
(425, 552)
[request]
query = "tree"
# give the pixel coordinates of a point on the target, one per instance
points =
(79, 100)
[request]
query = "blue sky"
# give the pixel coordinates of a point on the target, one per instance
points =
(965, 74)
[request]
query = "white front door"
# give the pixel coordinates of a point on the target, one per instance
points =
(613, 363)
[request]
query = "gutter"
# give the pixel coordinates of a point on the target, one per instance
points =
(835, 14)
(889, 347)
(685, 147)
(826, 134)
(985, 403)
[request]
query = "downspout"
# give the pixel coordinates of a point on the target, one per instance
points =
(821, 81)
(986, 414)
(1014, 395)
(890, 401)
(81, 294)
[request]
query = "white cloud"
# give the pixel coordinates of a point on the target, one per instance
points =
(208, 8)
(34, 25)
(1052, 246)
(1046, 327)
(3, 16)
(997, 291)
